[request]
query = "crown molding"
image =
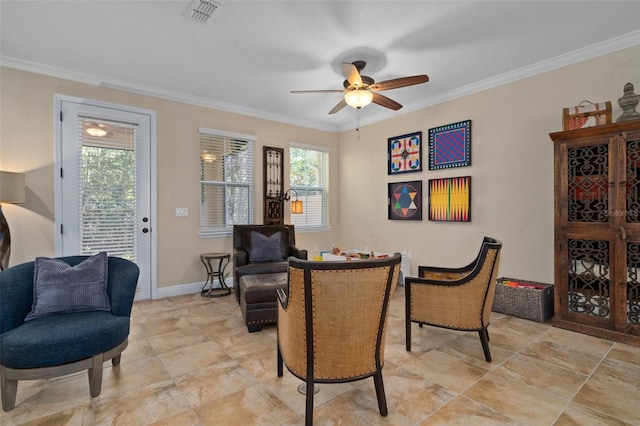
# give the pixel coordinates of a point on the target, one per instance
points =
(156, 92)
(589, 52)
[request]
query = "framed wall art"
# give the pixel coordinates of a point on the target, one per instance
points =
(450, 146)
(405, 153)
(450, 199)
(405, 200)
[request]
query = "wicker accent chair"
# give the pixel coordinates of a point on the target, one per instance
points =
(455, 298)
(332, 323)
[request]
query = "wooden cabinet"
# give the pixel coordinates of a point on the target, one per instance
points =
(597, 230)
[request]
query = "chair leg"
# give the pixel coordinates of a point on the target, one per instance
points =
(95, 375)
(280, 369)
(115, 361)
(407, 315)
(252, 328)
(9, 390)
(382, 400)
(484, 339)
(308, 417)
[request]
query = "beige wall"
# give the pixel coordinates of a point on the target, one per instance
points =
(27, 145)
(512, 169)
(512, 178)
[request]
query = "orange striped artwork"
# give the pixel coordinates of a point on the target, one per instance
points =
(450, 199)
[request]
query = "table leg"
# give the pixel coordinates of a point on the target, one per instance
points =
(223, 283)
(212, 274)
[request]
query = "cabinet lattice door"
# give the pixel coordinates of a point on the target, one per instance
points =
(597, 230)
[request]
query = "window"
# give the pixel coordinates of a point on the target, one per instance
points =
(309, 177)
(107, 188)
(226, 181)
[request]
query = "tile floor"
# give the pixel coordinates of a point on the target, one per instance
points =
(190, 361)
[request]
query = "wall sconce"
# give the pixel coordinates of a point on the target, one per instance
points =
(12, 190)
(296, 205)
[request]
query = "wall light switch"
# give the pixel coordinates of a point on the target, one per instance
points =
(182, 212)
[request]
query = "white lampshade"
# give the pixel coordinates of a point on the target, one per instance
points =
(12, 187)
(358, 98)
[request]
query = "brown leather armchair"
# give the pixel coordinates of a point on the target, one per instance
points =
(261, 256)
(242, 262)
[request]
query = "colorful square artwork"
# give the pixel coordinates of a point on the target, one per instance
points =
(405, 200)
(450, 199)
(405, 153)
(450, 146)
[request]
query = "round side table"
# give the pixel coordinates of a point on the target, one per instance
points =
(212, 273)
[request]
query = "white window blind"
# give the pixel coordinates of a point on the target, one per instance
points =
(106, 188)
(226, 181)
(309, 177)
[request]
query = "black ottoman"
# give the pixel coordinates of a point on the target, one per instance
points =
(258, 298)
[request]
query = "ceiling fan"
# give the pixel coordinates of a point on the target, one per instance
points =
(360, 90)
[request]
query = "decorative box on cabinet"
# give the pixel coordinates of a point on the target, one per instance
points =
(597, 231)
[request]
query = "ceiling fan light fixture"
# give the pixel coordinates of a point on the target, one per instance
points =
(358, 98)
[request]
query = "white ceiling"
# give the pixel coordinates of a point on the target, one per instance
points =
(251, 54)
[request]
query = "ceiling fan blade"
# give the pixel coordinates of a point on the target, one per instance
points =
(319, 91)
(338, 107)
(399, 82)
(385, 102)
(351, 74)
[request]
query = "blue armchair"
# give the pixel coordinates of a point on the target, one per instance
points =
(61, 344)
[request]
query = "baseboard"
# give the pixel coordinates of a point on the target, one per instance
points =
(182, 289)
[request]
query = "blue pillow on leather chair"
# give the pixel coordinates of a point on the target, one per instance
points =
(265, 249)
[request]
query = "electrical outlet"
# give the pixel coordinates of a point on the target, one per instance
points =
(182, 212)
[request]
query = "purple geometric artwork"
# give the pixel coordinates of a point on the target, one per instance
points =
(450, 146)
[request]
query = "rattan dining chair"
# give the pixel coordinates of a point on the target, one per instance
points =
(455, 298)
(332, 322)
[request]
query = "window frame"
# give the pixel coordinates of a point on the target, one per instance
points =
(227, 230)
(325, 226)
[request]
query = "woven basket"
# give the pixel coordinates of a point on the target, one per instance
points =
(524, 302)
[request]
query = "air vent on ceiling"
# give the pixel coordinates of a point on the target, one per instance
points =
(201, 10)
